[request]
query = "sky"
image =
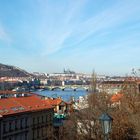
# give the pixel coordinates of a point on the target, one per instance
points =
(82, 35)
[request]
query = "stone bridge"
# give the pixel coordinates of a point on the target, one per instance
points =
(73, 87)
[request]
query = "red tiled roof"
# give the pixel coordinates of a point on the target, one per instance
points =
(117, 97)
(54, 102)
(7, 92)
(22, 104)
(15, 92)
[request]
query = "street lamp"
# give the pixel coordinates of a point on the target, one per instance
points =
(106, 122)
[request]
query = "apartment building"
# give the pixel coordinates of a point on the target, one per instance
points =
(25, 116)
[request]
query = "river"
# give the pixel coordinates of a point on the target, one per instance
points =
(65, 95)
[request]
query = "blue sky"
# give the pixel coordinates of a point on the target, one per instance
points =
(82, 35)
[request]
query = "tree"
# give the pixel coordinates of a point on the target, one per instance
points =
(94, 82)
(84, 124)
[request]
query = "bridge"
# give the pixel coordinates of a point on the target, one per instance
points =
(73, 87)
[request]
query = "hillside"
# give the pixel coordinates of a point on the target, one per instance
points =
(12, 71)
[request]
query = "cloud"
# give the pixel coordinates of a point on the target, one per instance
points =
(56, 28)
(4, 36)
(69, 31)
(104, 21)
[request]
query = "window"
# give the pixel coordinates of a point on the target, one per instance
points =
(26, 136)
(37, 120)
(16, 125)
(16, 137)
(20, 136)
(33, 120)
(4, 127)
(10, 126)
(21, 126)
(49, 117)
(46, 118)
(60, 107)
(37, 133)
(42, 119)
(26, 121)
(33, 134)
(42, 131)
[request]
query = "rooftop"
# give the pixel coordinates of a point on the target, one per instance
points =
(55, 101)
(116, 97)
(14, 105)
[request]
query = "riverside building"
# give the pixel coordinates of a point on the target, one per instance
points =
(24, 116)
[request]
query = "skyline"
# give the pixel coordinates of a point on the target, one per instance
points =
(48, 36)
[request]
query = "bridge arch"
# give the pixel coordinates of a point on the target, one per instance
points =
(72, 87)
(66, 88)
(55, 88)
(82, 88)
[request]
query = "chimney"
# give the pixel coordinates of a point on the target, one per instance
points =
(22, 94)
(15, 95)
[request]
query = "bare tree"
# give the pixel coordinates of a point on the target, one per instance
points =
(93, 82)
(85, 125)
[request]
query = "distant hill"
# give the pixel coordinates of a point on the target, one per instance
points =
(12, 71)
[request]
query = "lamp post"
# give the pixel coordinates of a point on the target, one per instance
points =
(106, 123)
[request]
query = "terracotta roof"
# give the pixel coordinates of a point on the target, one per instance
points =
(15, 92)
(55, 101)
(22, 104)
(116, 97)
(7, 92)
